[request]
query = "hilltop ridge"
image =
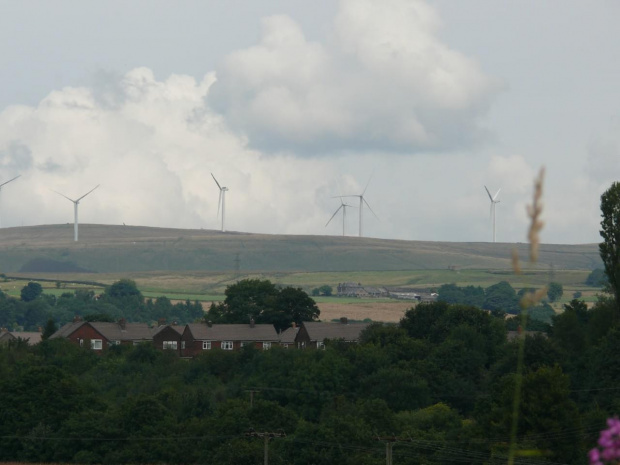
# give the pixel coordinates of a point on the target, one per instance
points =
(113, 248)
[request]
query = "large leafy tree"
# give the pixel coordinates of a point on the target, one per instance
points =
(31, 291)
(610, 232)
(263, 302)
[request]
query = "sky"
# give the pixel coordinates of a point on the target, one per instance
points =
(291, 104)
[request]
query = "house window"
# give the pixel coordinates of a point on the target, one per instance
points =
(81, 342)
(116, 343)
(320, 345)
(96, 344)
(170, 345)
(227, 345)
(206, 345)
(285, 346)
(266, 345)
(182, 344)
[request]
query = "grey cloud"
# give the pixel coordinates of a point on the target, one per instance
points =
(407, 93)
(17, 156)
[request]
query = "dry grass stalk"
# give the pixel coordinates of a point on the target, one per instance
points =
(532, 298)
(534, 211)
(516, 266)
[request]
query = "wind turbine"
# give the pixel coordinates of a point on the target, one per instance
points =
(362, 202)
(342, 206)
(4, 184)
(75, 209)
(221, 201)
(494, 201)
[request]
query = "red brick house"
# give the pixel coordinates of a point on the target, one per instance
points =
(313, 334)
(168, 337)
(287, 337)
(198, 337)
(100, 335)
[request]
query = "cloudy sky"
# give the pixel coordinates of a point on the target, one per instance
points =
(291, 103)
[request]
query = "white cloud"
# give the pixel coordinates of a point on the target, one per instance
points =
(385, 81)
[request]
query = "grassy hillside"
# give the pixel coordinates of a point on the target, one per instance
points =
(134, 249)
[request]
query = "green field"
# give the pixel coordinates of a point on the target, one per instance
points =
(200, 264)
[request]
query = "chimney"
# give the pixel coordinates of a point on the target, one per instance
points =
(40, 329)
(251, 322)
(294, 325)
(209, 323)
(122, 323)
(344, 320)
(77, 318)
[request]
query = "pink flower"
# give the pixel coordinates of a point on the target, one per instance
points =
(608, 450)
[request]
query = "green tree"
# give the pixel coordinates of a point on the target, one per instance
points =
(31, 291)
(326, 290)
(50, 328)
(554, 291)
(610, 232)
(597, 278)
(501, 296)
(262, 301)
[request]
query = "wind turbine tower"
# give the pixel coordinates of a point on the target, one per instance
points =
(4, 184)
(362, 202)
(342, 206)
(75, 210)
(494, 201)
(221, 201)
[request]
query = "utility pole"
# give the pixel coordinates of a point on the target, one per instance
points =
(266, 436)
(252, 391)
(389, 443)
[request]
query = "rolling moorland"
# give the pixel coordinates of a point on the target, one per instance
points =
(200, 264)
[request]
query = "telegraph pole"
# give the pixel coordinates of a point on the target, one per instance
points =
(252, 391)
(389, 443)
(266, 436)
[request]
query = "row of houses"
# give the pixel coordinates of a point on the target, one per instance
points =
(195, 338)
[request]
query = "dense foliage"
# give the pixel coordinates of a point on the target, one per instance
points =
(441, 382)
(264, 302)
(121, 300)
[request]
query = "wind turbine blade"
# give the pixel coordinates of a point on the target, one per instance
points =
(495, 196)
(337, 210)
(219, 203)
(490, 196)
(5, 183)
(370, 208)
(218, 184)
(88, 192)
(364, 191)
(63, 195)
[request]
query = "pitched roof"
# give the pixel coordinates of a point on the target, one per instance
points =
(288, 335)
(319, 331)
(67, 329)
(111, 331)
(232, 332)
(130, 332)
(175, 328)
(31, 337)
